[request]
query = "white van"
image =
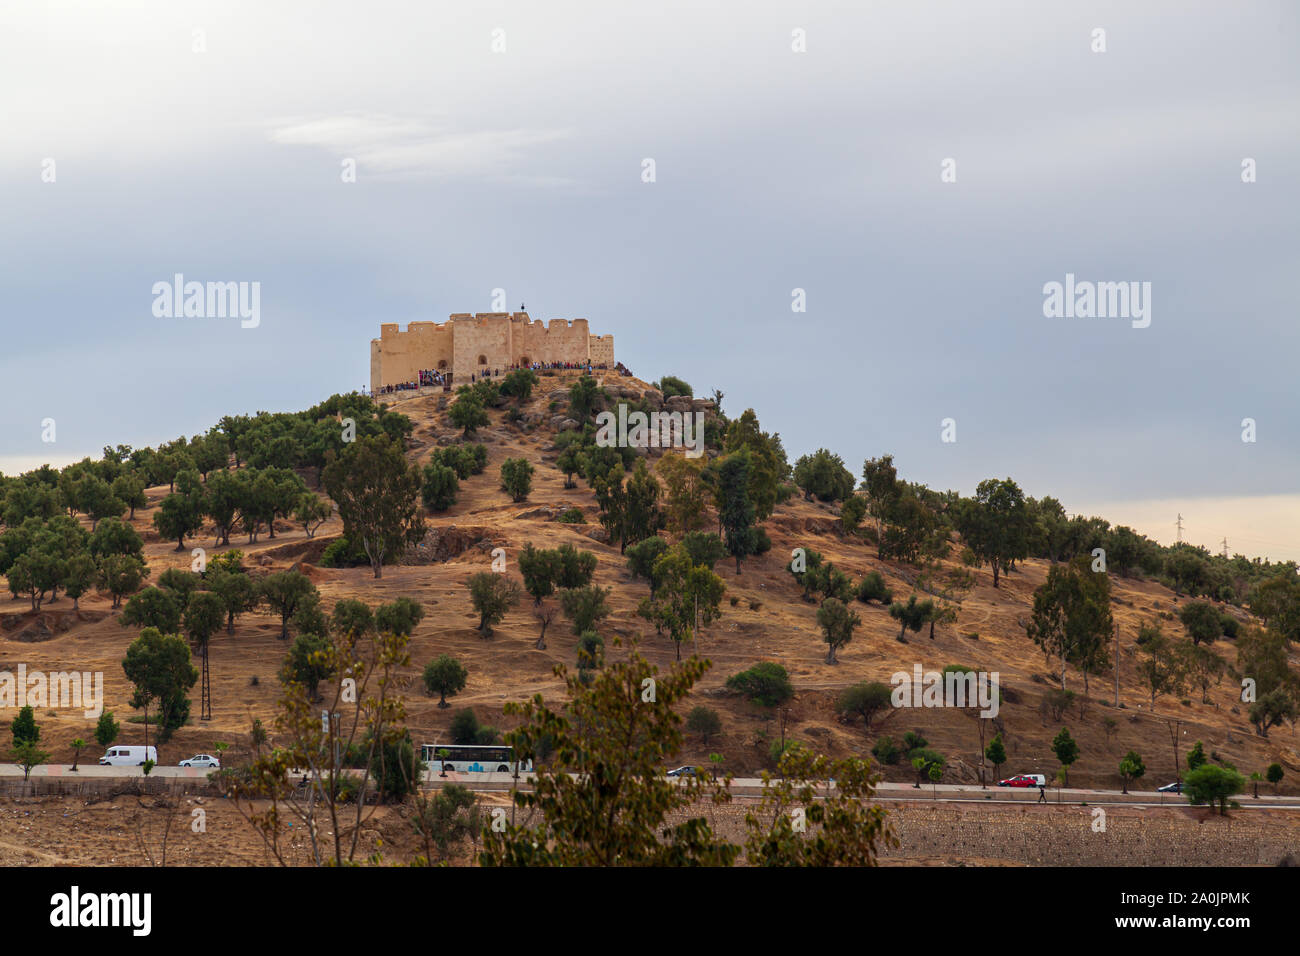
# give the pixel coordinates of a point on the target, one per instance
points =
(128, 756)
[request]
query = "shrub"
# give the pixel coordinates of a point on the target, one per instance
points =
(591, 650)
(766, 683)
(872, 588)
(464, 727)
(864, 700)
(705, 722)
(396, 769)
(516, 478)
(573, 516)
(886, 751)
(704, 548)
(341, 553)
(444, 675)
(440, 487)
(671, 385)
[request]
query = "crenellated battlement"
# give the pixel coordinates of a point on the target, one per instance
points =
(471, 344)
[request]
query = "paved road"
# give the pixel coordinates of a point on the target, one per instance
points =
(741, 786)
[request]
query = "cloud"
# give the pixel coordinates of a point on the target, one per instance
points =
(407, 147)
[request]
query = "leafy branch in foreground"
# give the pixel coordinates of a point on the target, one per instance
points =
(603, 799)
(366, 715)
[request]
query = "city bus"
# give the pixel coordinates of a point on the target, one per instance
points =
(472, 758)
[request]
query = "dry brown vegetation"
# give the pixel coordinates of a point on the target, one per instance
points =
(769, 621)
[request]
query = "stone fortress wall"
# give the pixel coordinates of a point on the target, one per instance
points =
(468, 344)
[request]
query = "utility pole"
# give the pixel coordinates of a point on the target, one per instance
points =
(1117, 665)
(1180, 528)
(1225, 548)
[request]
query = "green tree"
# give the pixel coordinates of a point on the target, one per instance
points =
(106, 729)
(1160, 665)
(516, 478)
(686, 599)
(1131, 768)
(705, 722)
(911, 616)
(822, 474)
(705, 548)
(28, 755)
(923, 760)
(285, 592)
(181, 513)
(311, 512)
(996, 754)
(444, 817)
(1196, 756)
(1271, 709)
(153, 607)
(540, 568)
(444, 675)
(1202, 667)
(119, 575)
(1213, 785)
(586, 606)
(440, 487)
(569, 463)
(395, 767)
(130, 491)
(235, 589)
(641, 558)
(872, 588)
(603, 800)
(585, 397)
(307, 663)
(159, 667)
(114, 536)
(852, 512)
(24, 728)
(865, 700)
(377, 495)
(995, 524)
(520, 383)
(765, 683)
(736, 509)
(79, 577)
(841, 827)
(399, 616)
(576, 567)
(1066, 750)
(204, 616)
(1202, 620)
(1071, 617)
(492, 595)
(467, 414)
(837, 622)
(1274, 775)
(880, 482)
(352, 618)
(465, 727)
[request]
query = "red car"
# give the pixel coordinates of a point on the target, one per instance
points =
(1024, 780)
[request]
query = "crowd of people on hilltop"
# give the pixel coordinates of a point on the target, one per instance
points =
(432, 378)
(426, 378)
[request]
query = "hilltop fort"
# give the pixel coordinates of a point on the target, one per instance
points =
(468, 344)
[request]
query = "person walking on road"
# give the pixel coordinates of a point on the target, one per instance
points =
(1042, 794)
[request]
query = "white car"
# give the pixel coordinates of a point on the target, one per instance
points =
(202, 760)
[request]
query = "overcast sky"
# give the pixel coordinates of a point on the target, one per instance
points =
(774, 170)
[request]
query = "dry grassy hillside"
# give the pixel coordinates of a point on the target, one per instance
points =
(769, 621)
